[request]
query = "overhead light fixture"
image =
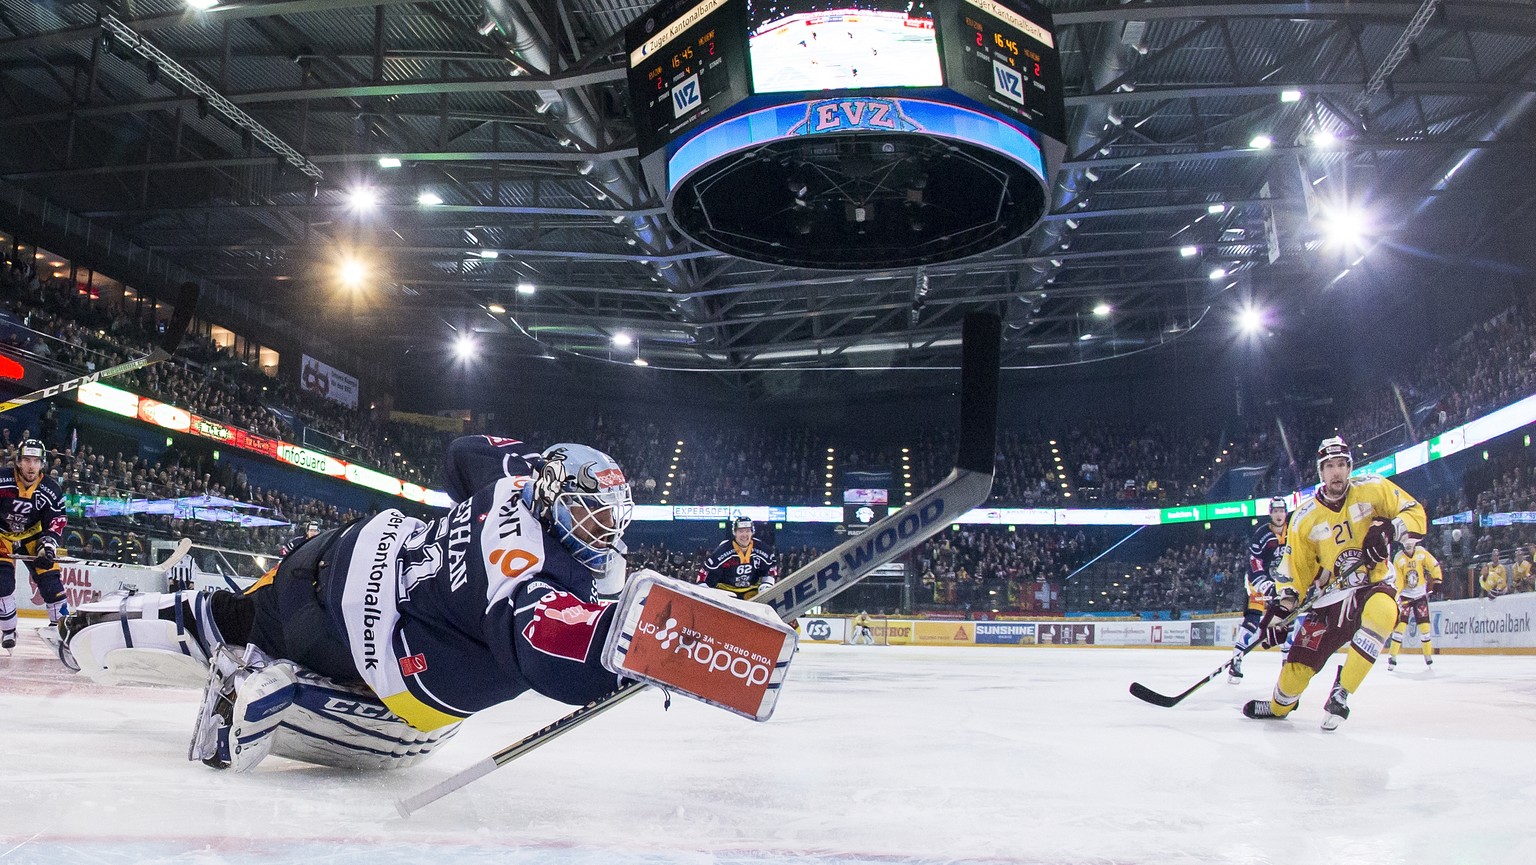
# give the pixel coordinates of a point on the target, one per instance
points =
(389, 162)
(464, 347)
(1251, 320)
(353, 272)
(1189, 251)
(429, 199)
(623, 340)
(1102, 310)
(202, 5)
(1084, 338)
(1290, 96)
(489, 254)
(1218, 273)
(1323, 138)
(640, 361)
(495, 309)
(526, 288)
(1345, 226)
(363, 198)
(1260, 142)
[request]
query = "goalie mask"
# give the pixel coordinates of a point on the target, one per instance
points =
(581, 495)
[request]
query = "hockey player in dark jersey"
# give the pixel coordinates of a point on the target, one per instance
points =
(310, 530)
(368, 644)
(31, 523)
(1264, 553)
(741, 565)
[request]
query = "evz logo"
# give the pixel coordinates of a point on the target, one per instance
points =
(686, 96)
(1007, 81)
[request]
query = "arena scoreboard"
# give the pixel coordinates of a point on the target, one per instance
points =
(848, 134)
(1004, 56)
(687, 62)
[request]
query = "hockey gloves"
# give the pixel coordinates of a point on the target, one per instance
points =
(1274, 627)
(43, 560)
(1377, 546)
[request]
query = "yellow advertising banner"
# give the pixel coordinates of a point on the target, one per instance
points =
(944, 633)
(894, 633)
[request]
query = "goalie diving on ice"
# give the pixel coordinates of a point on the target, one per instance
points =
(369, 644)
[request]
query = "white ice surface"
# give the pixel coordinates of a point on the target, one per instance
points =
(877, 755)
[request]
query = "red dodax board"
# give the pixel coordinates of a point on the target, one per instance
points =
(704, 651)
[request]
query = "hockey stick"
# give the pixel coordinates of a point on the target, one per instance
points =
(186, 304)
(1142, 692)
(966, 487)
(179, 552)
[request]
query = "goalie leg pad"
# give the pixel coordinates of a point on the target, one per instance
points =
(348, 727)
(138, 638)
(700, 642)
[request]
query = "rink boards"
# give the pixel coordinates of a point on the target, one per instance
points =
(1478, 625)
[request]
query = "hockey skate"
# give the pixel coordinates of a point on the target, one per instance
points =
(1336, 709)
(1391, 662)
(7, 640)
(1429, 661)
(1263, 709)
(1235, 669)
(242, 708)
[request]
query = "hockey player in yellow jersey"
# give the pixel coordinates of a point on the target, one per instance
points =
(1495, 578)
(1339, 539)
(1418, 574)
(1520, 572)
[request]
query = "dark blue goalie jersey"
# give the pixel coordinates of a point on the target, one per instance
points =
(448, 617)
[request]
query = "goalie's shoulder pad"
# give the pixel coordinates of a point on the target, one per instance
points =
(701, 642)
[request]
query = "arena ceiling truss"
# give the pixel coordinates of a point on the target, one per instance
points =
(226, 143)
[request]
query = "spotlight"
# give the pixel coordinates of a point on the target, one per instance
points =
(489, 254)
(1102, 310)
(389, 162)
(495, 309)
(1290, 96)
(1216, 208)
(352, 272)
(429, 199)
(464, 347)
(1345, 227)
(1260, 142)
(202, 4)
(640, 361)
(363, 199)
(623, 340)
(1250, 319)
(1189, 251)
(1218, 273)
(1323, 138)
(526, 288)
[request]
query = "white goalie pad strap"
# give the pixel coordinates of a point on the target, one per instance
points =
(701, 642)
(261, 701)
(348, 727)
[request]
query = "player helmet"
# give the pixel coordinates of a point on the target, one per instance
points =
(741, 523)
(1278, 502)
(1332, 448)
(583, 498)
(33, 448)
(313, 527)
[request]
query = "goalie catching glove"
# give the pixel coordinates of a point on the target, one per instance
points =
(701, 642)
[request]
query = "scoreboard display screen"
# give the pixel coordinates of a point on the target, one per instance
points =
(1002, 53)
(687, 63)
(801, 45)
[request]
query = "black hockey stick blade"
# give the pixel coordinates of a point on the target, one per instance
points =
(1142, 692)
(181, 319)
(830, 573)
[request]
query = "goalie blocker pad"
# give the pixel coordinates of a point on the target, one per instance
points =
(701, 642)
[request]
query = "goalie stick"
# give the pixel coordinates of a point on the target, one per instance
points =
(1142, 692)
(186, 304)
(966, 487)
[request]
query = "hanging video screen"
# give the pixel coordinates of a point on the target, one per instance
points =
(801, 45)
